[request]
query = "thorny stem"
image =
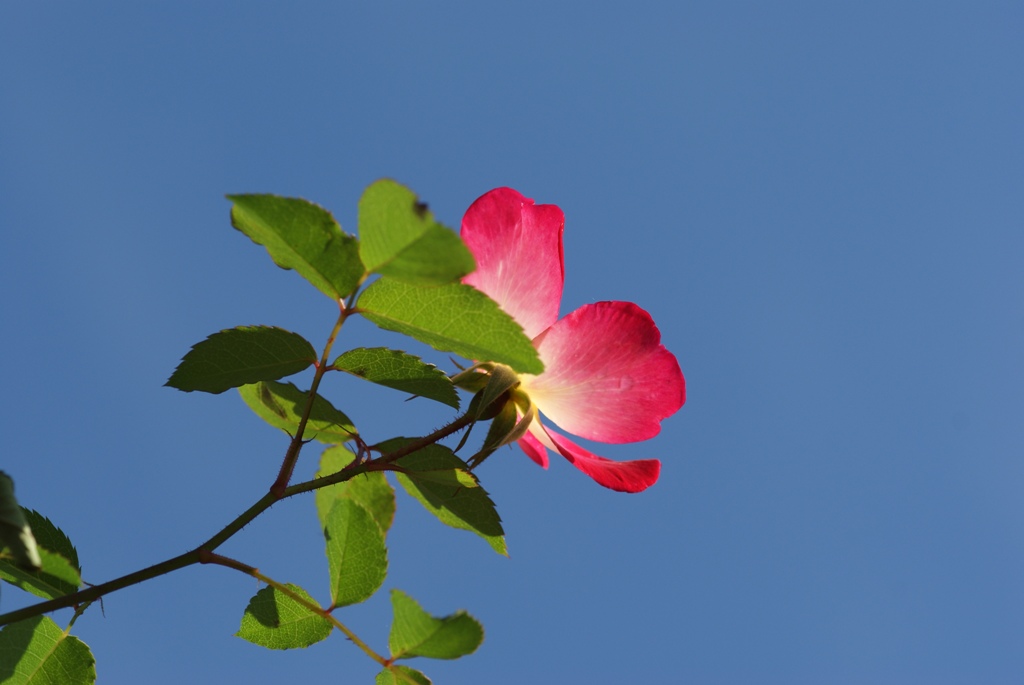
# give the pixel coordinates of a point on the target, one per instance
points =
(195, 556)
(292, 455)
(97, 591)
(381, 462)
(204, 554)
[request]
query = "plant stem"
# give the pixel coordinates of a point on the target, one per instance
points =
(211, 558)
(292, 455)
(240, 522)
(195, 556)
(97, 591)
(380, 462)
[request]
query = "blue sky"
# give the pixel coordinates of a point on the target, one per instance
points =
(819, 203)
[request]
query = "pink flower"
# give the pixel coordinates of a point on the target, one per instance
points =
(607, 377)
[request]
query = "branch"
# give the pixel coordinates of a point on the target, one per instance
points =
(292, 455)
(211, 558)
(245, 518)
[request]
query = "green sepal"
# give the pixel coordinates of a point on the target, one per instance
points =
(502, 426)
(237, 356)
(37, 651)
(451, 318)
(389, 676)
(399, 370)
(414, 632)
(399, 238)
(276, 621)
(502, 379)
(451, 502)
(506, 426)
(302, 236)
(356, 556)
(371, 490)
(282, 405)
(59, 573)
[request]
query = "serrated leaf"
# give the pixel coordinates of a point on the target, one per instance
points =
(57, 576)
(37, 652)
(282, 404)
(302, 236)
(438, 257)
(372, 490)
(390, 676)
(356, 556)
(400, 238)
(15, 532)
(59, 573)
(414, 632)
(452, 503)
(52, 538)
(237, 356)
(452, 318)
(401, 371)
(276, 621)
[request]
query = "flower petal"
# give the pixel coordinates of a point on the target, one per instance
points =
(518, 251)
(534, 449)
(607, 376)
(623, 476)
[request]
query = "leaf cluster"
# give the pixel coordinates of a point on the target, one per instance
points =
(403, 273)
(38, 558)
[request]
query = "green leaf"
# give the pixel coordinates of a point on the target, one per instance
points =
(15, 532)
(56, 578)
(282, 404)
(356, 555)
(371, 490)
(453, 478)
(37, 652)
(237, 356)
(401, 371)
(401, 240)
(452, 318)
(389, 676)
(51, 537)
(276, 621)
(453, 503)
(59, 573)
(414, 632)
(302, 236)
